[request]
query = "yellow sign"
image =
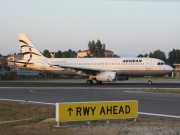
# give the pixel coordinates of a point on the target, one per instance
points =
(96, 110)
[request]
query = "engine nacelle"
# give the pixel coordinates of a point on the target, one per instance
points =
(106, 76)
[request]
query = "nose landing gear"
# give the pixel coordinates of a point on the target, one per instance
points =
(149, 82)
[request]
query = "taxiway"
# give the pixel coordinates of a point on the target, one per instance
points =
(56, 92)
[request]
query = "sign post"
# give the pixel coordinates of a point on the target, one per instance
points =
(80, 111)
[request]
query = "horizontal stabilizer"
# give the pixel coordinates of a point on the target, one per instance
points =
(22, 61)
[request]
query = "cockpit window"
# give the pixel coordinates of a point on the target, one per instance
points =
(161, 63)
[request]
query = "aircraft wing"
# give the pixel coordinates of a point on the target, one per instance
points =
(22, 61)
(83, 69)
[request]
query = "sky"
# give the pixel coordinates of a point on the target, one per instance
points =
(127, 27)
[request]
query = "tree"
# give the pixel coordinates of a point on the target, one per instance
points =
(174, 56)
(146, 55)
(1, 56)
(46, 53)
(158, 54)
(70, 53)
(59, 54)
(140, 55)
(96, 49)
(66, 54)
(92, 48)
(73, 54)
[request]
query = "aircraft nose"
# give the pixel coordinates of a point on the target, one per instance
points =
(170, 68)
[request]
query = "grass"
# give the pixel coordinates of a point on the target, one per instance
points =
(16, 111)
(164, 91)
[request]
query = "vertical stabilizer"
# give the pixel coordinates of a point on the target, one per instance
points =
(28, 49)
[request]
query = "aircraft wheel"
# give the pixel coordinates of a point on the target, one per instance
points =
(99, 82)
(149, 82)
(89, 82)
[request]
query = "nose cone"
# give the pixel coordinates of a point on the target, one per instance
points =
(170, 69)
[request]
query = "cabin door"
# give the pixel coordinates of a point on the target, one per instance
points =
(148, 64)
(43, 64)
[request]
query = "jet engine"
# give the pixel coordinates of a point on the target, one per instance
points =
(106, 76)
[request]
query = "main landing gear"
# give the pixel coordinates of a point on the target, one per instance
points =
(90, 82)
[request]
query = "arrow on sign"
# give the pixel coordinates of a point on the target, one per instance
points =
(70, 110)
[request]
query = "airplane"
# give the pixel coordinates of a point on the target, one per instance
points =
(98, 69)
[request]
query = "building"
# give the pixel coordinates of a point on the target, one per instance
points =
(107, 53)
(176, 73)
(3, 63)
(28, 73)
(12, 65)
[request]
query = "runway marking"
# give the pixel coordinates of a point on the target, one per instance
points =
(24, 101)
(136, 92)
(100, 88)
(141, 113)
(151, 92)
(64, 93)
(160, 115)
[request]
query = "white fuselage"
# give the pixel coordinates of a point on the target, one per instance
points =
(122, 66)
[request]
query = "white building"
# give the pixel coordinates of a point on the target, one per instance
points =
(176, 70)
(12, 65)
(107, 53)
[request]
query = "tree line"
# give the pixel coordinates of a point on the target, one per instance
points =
(66, 54)
(173, 56)
(96, 49)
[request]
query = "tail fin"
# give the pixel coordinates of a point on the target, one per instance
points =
(28, 49)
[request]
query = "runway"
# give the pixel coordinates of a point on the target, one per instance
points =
(53, 92)
(81, 83)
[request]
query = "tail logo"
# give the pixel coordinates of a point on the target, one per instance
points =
(30, 50)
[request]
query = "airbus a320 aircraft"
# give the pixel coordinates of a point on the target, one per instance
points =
(99, 69)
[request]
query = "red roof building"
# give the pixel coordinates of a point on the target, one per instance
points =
(107, 53)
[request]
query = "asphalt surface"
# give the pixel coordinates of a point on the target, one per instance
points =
(81, 83)
(54, 92)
